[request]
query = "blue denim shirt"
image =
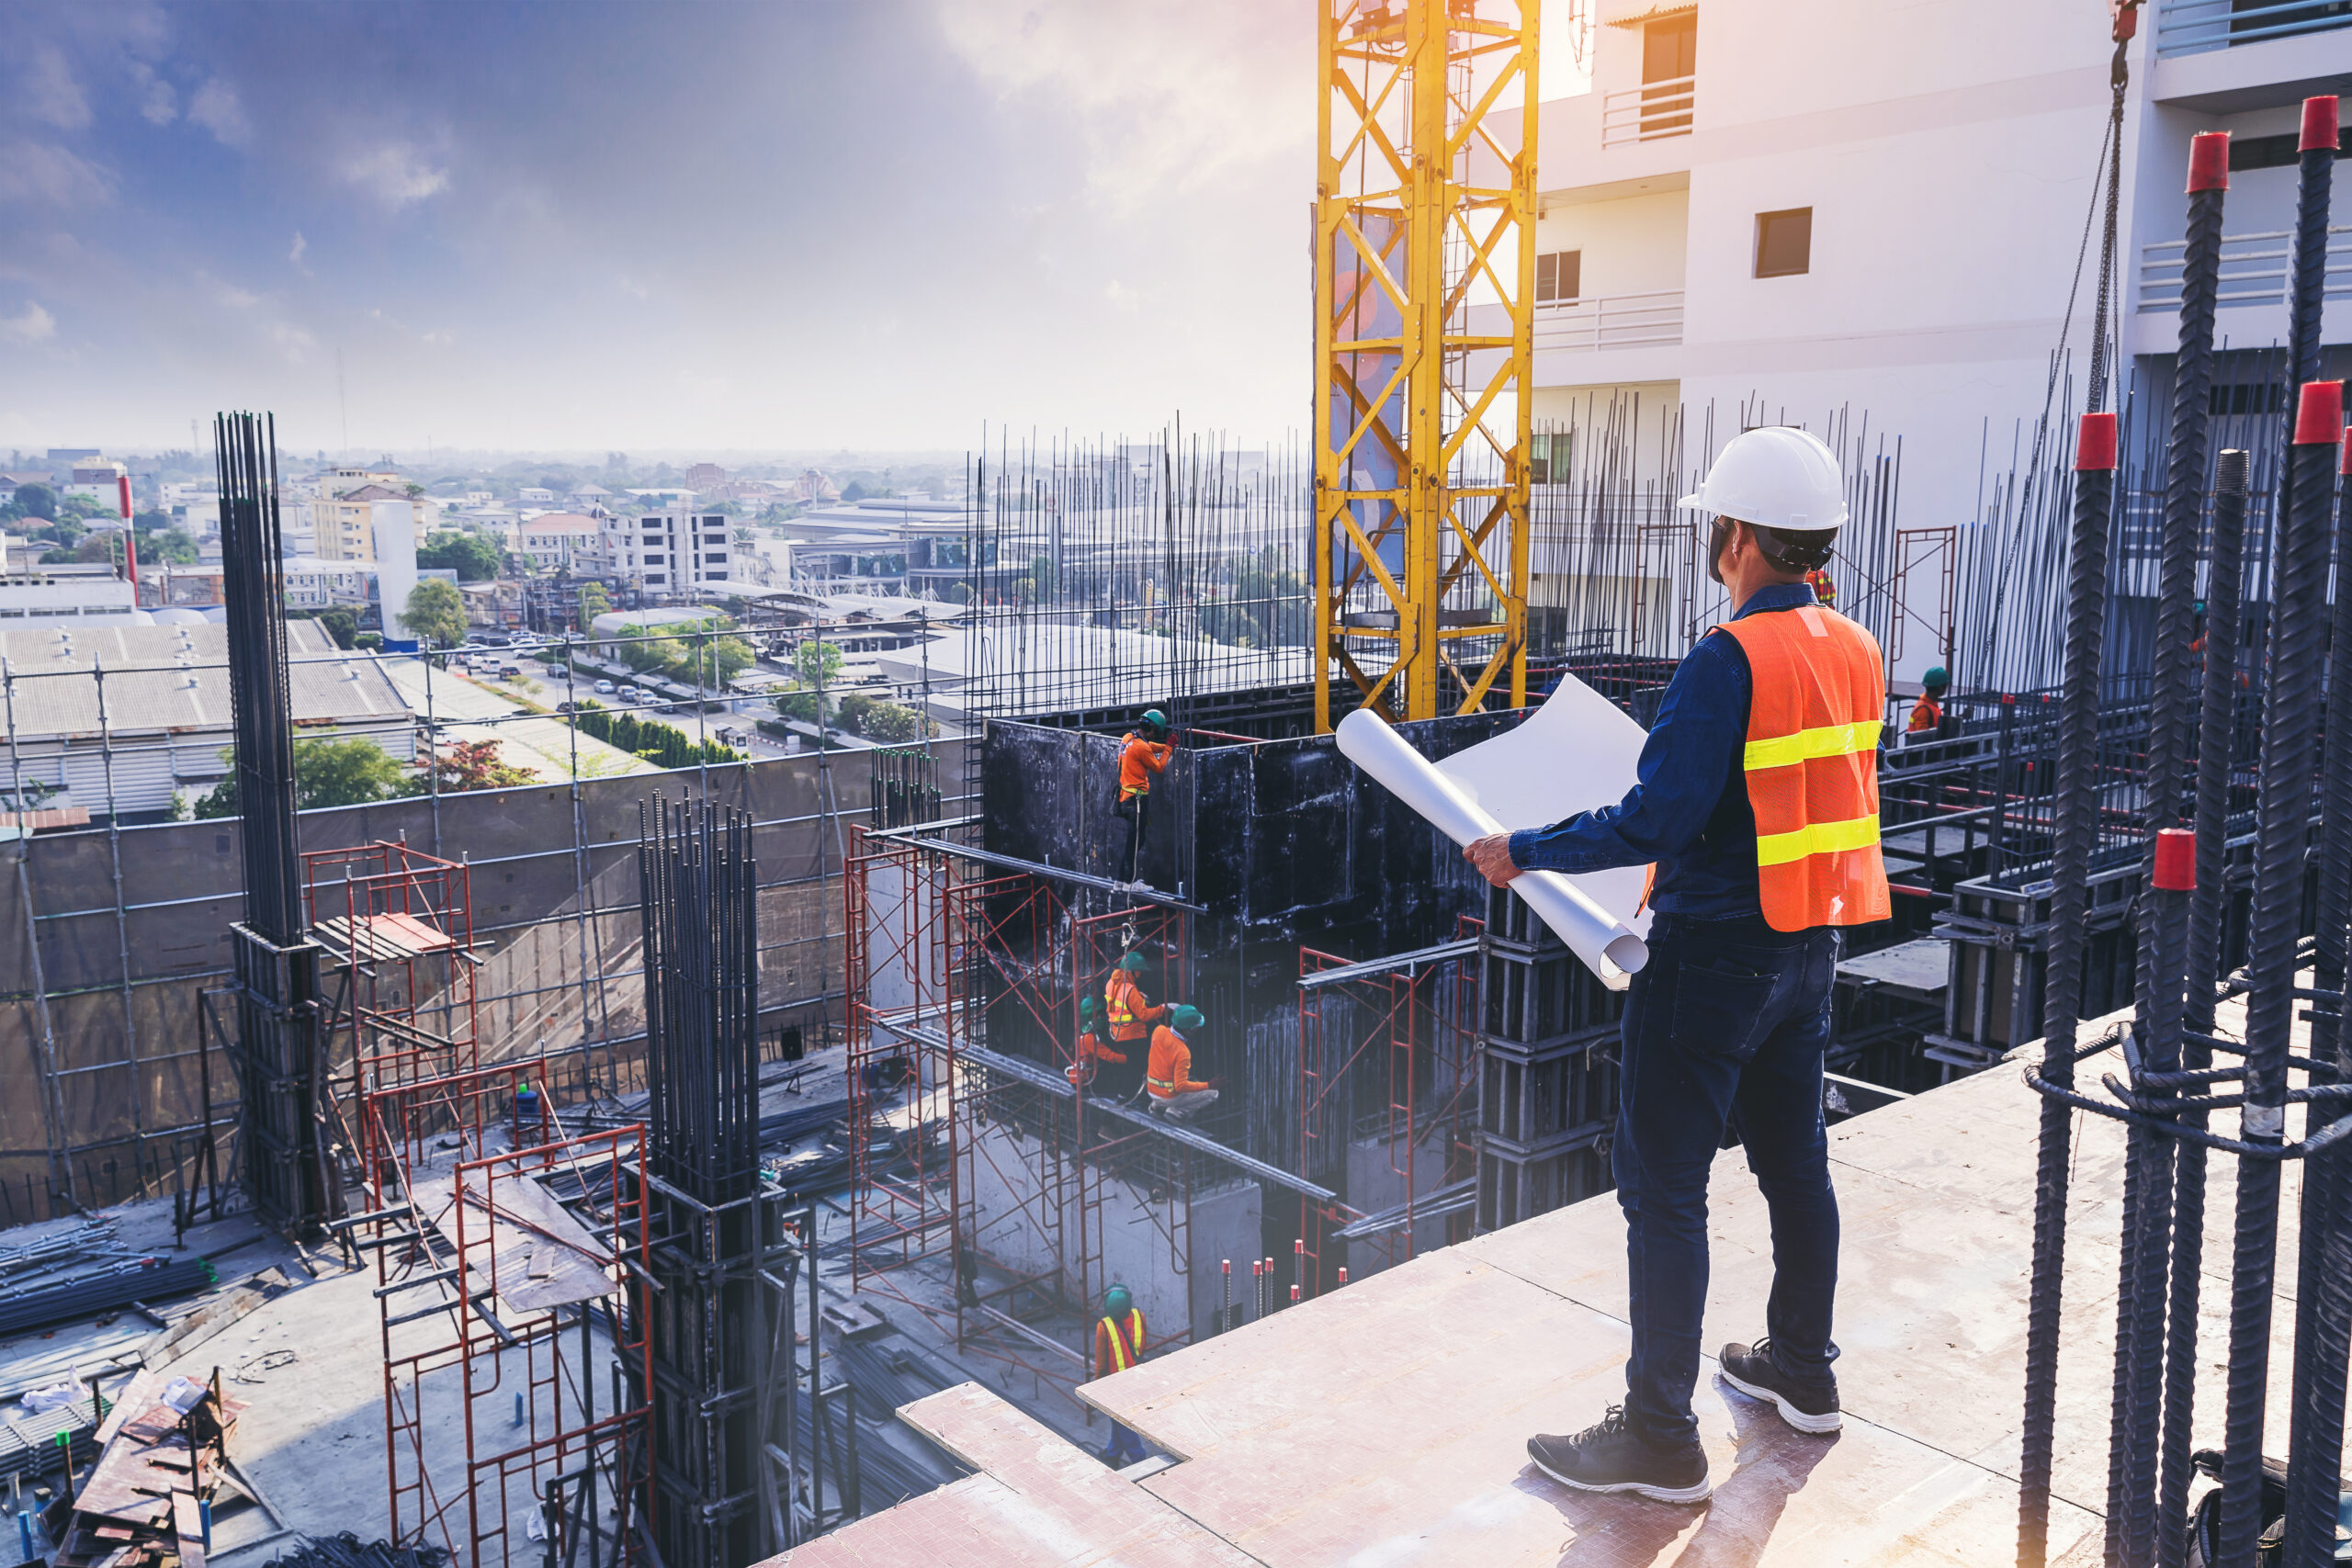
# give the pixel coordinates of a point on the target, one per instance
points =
(1687, 810)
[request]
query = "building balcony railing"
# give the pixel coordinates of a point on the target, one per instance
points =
(1648, 112)
(1612, 320)
(2192, 27)
(2253, 269)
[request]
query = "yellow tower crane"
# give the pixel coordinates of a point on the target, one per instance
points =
(1424, 284)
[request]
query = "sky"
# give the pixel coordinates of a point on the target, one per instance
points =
(879, 224)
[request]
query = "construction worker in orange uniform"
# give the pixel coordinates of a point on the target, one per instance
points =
(1118, 1345)
(1094, 1060)
(1131, 1016)
(1168, 1077)
(1927, 713)
(1757, 801)
(1143, 751)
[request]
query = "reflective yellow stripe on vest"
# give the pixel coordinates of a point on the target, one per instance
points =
(1122, 1352)
(1830, 740)
(1817, 838)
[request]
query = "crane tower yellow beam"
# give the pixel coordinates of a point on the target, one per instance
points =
(1424, 291)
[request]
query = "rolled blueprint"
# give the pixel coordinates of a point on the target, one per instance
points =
(1606, 944)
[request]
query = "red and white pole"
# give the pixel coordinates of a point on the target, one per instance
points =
(129, 543)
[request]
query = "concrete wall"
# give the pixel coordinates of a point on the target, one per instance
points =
(99, 1010)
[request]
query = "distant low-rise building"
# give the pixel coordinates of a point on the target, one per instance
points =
(97, 480)
(164, 722)
(670, 554)
(80, 595)
(535, 495)
(314, 583)
(556, 539)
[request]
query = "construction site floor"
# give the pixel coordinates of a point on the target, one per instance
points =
(1385, 1423)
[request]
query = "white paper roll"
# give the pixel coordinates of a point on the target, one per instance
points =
(1608, 947)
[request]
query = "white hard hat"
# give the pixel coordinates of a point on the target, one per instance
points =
(1775, 478)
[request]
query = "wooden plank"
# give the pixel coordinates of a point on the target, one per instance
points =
(505, 1249)
(137, 1395)
(188, 1523)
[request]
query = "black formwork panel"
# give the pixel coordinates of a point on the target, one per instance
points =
(1547, 1070)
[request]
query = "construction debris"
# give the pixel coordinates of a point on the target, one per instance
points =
(162, 1462)
(347, 1550)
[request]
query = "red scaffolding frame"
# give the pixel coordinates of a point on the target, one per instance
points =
(401, 923)
(496, 1238)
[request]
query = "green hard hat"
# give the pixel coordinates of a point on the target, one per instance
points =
(1185, 1017)
(1132, 962)
(1155, 719)
(1086, 1007)
(1935, 678)
(1117, 1302)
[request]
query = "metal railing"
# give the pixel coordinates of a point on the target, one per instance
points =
(2253, 269)
(2192, 27)
(1612, 320)
(1648, 112)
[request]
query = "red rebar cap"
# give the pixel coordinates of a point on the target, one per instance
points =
(2319, 414)
(2095, 442)
(2175, 860)
(2346, 466)
(2319, 125)
(2209, 161)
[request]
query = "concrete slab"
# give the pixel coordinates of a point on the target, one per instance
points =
(1039, 1501)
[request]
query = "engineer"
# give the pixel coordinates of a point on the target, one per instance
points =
(1756, 802)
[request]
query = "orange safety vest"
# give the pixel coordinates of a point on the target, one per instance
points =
(1814, 717)
(1120, 1345)
(1139, 759)
(1169, 1068)
(1131, 1016)
(1926, 714)
(1091, 1050)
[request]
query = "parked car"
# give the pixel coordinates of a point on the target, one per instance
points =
(566, 707)
(633, 694)
(604, 688)
(510, 672)
(493, 640)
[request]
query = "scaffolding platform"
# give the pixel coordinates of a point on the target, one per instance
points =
(1289, 1447)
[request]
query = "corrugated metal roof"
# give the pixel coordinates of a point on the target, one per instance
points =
(1633, 13)
(165, 679)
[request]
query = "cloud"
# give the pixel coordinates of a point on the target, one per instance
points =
(300, 244)
(395, 175)
(158, 104)
(31, 325)
(217, 108)
(39, 171)
(290, 341)
(50, 93)
(1164, 100)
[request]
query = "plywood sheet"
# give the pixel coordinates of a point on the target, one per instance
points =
(537, 1256)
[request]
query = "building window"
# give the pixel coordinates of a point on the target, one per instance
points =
(1784, 242)
(1559, 277)
(1669, 59)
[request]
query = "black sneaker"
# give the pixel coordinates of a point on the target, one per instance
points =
(1810, 1404)
(1611, 1457)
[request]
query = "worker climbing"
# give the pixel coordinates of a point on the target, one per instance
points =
(1096, 1064)
(1143, 751)
(1174, 1091)
(1927, 721)
(1730, 1018)
(1118, 1345)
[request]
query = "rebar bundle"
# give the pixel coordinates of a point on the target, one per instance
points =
(282, 1163)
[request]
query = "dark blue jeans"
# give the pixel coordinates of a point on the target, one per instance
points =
(1726, 1025)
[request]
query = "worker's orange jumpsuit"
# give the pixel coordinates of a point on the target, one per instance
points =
(1927, 715)
(1170, 1075)
(1131, 1016)
(1139, 759)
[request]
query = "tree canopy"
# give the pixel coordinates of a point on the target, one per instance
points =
(473, 557)
(327, 772)
(436, 613)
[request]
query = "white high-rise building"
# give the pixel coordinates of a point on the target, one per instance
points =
(670, 554)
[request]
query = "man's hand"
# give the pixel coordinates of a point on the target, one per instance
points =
(1217, 1082)
(1491, 856)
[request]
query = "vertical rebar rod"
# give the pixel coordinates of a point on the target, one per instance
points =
(2074, 810)
(2289, 752)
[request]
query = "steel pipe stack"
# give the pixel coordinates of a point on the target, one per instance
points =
(283, 1162)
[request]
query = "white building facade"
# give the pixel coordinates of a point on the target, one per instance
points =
(1787, 209)
(671, 553)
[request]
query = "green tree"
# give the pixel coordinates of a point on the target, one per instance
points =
(895, 723)
(36, 501)
(473, 557)
(594, 601)
(327, 772)
(818, 664)
(436, 614)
